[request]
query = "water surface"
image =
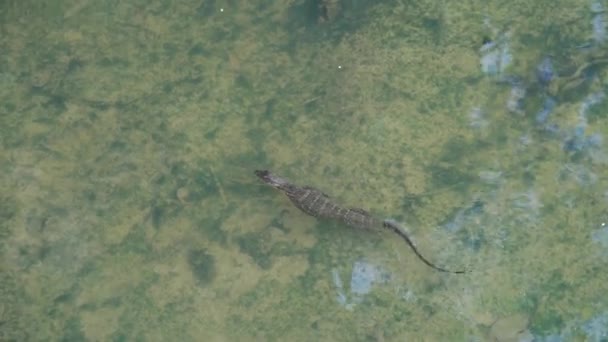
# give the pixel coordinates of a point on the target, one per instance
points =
(130, 130)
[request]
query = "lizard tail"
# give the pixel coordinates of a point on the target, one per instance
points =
(392, 225)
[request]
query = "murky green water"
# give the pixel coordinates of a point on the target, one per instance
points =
(130, 130)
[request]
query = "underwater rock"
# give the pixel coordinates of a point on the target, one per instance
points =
(576, 139)
(598, 23)
(596, 328)
(467, 225)
(477, 119)
(516, 98)
(599, 28)
(543, 115)
(183, 195)
(550, 338)
(525, 140)
(545, 71)
(596, 7)
(601, 236)
(527, 201)
(575, 143)
(363, 277)
(465, 216)
(511, 328)
(495, 56)
(490, 177)
(578, 173)
(590, 101)
(339, 287)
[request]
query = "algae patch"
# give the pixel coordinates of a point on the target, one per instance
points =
(202, 265)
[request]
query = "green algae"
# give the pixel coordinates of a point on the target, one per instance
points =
(202, 265)
(110, 110)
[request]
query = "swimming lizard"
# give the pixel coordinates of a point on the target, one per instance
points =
(315, 203)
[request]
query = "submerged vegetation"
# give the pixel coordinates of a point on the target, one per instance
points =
(129, 132)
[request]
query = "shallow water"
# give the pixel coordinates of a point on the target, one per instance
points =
(130, 131)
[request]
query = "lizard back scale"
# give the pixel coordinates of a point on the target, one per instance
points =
(316, 203)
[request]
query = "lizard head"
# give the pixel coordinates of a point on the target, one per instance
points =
(271, 179)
